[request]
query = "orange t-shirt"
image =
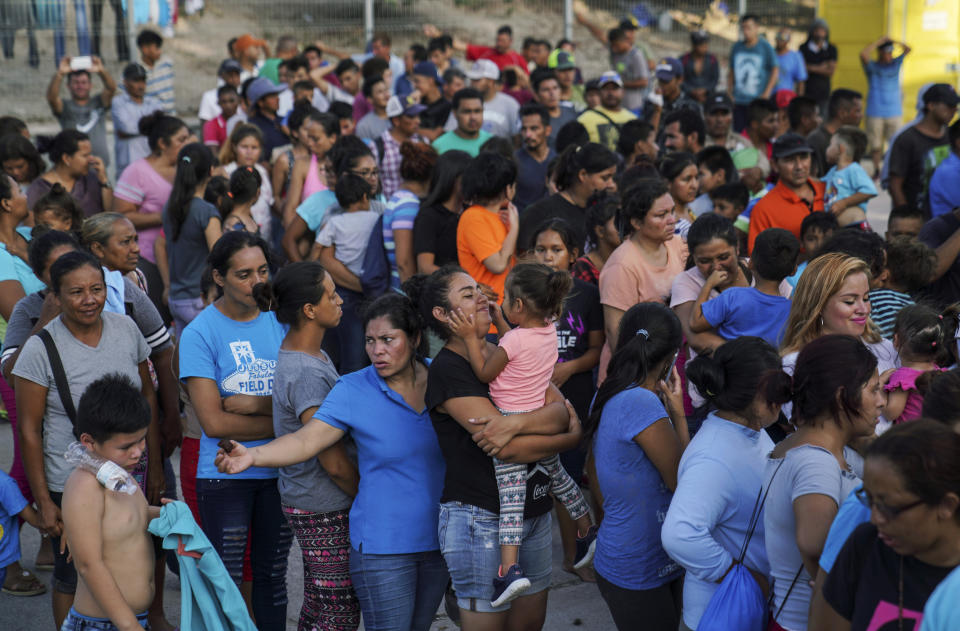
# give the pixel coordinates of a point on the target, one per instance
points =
(628, 279)
(480, 233)
(782, 208)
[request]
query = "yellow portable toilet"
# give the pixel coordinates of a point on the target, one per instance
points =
(930, 27)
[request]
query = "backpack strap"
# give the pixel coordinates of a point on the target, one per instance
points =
(59, 377)
(612, 122)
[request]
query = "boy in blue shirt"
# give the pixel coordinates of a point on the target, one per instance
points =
(13, 506)
(849, 188)
(759, 310)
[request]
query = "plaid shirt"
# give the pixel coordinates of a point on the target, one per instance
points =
(390, 162)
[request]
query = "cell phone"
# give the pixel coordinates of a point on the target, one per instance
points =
(225, 445)
(81, 63)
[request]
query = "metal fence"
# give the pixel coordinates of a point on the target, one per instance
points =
(196, 38)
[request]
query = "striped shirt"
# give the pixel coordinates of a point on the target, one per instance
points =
(885, 304)
(160, 83)
(400, 214)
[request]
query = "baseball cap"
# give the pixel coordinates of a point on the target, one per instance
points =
(592, 84)
(397, 106)
(561, 60)
(790, 144)
(609, 77)
(629, 23)
(134, 72)
(428, 69)
(719, 101)
(229, 65)
(699, 37)
(484, 69)
(941, 93)
(246, 41)
(261, 87)
(669, 68)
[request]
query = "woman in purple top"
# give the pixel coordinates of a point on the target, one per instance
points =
(77, 170)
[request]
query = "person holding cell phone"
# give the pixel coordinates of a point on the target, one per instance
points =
(83, 111)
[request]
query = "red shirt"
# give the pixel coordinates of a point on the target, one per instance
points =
(782, 208)
(509, 58)
(215, 132)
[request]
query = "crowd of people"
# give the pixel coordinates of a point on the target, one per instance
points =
(393, 306)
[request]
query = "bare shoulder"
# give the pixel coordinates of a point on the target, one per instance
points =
(82, 490)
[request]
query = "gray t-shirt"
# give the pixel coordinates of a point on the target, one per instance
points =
(349, 234)
(187, 256)
(91, 119)
(301, 382)
(632, 65)
(500, 115)
(372, 126)
(137, 305)
(806, 470)
(566, 115)
(120, 350)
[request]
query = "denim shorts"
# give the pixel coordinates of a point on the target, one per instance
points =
(469, 544)
(79, 622)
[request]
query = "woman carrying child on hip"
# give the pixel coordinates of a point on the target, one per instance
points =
(519, 373)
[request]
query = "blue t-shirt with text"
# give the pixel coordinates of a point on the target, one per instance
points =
(241, 358)
(751, 67)
(845, 182)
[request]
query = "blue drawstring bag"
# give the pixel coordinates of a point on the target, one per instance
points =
(738, 604)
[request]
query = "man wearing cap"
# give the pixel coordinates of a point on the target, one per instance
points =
(427, 81)
(719, 124)
(546, 88)
(603, 122)
(263, 96)
(469, 135)
(250, 53)
(228, 74)
(127, 108)
(404, 114)
(501, 53)
(793, 70)
(82, 111)
(884, 96)
(500, 111)
(701, 70)
(627, 61)
(921, 148)
(670, 79)
(796, 194)
(820, 57)
(753, 70)
(564, 66)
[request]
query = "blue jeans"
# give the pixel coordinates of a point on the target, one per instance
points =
(79, 622)
(398, 592)
(83, 31)
(184, 310)
(232, 510)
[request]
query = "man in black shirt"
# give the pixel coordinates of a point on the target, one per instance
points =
(263, 96)
(942, 233)
(821, 60)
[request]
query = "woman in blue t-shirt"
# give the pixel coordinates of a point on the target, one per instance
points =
(228, 356)
(638, 431)
(191, 225)
(395, 563)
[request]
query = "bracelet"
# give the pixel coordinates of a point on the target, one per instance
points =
(105, 184)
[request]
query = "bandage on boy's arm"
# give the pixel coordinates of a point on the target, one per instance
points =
(83, 514)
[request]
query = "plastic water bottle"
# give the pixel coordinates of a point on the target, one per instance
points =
(111, 475)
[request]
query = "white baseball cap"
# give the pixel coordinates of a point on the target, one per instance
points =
(484, 69)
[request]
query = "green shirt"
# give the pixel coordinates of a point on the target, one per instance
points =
(451, 140)
(270, 69)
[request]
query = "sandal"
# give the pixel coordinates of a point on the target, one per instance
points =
(24, 585)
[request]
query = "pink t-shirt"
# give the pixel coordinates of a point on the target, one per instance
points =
(905, 379)
(532, 354)
(141, 185)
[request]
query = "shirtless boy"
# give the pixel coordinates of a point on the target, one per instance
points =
(107, 530)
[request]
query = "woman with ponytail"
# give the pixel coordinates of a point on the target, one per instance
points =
(228, 358)
(638, 431)
(581, 171)
(722, 470)
(236, 206)
(395, 563)
(191, 226)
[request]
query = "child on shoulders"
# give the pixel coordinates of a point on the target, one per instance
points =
(759, 310)
(849, 188)
(815, 229)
